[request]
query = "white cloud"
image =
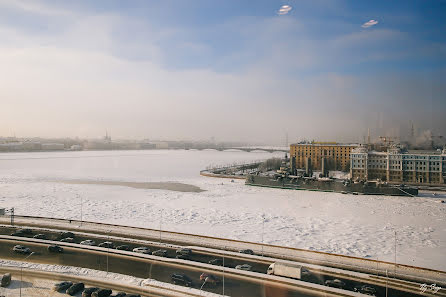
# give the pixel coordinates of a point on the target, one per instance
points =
(284, 9)
(369, 24)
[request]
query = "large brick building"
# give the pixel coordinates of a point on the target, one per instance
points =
(395, 165)
(336, 155)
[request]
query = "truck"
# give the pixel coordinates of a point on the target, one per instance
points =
(286, 270)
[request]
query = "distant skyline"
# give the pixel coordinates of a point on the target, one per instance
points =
(248, 71)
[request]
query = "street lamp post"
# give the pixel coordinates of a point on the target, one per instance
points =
(21, 273)
(263, 229)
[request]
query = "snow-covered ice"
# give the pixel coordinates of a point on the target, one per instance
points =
(361, 226)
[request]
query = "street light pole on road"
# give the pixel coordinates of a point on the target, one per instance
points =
(21, 273)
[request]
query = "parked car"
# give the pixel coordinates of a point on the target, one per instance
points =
(120, 294)
(88, 242)
(218, 262)
(183, 257)
(245, 267)
(106, 244)
(181, 279)
(62, 286)
(88, 291)
(160, 253)
(66, 234)
(133, 295)
(123, 247)
(365, 289)
(184, 251)
(67, 239)
(101, 293)
(39, 236)
(335, 283)
(55, 249)
(247, 251)
(5, 280)
(21, 249)
(75, 288)
(26, 231)
(17, 233)
(209, 279)
(142, 250)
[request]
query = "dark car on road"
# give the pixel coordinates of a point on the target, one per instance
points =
(184, 251)
(88, 242)
(181, 279)
(218, 262)
(21, 249)
(88, 291)
(39, 236)
(106, 244)
(62, 286)
(5, 280)
(209, 279)
(75, 288)
(22, 232)
(183, 257)
(101, 293)
(55, 249)
(160, 253)
(335, 283)
(123, 247)
(66, 234)
(365, 289)
(247, 251)
(120, 294)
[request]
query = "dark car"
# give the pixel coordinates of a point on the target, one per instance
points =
(88, 291)
(181, 279)
(5, 280)
(184, 251)
(62, 286)
(247, 251)
(26, 231)
(123, 247)
(183, 257)
(160, 253)
(133, 295)
(120, 294)
(55, 249)
(335, 283)
(17, 233)
(39, 236)
(218, 262)
(209, 279)
(106, 244)
(21, 249)
(67, 239)
(365, 289)
(101, 293)
(88, 242)
(75, 288)
(66, 234)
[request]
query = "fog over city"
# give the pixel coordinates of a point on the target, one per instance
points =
(237, 72)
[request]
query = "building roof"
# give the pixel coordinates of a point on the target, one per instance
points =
(324, 144)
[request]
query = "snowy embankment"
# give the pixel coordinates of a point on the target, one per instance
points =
(363, 226)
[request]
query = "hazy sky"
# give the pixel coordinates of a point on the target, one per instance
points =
(233, 70)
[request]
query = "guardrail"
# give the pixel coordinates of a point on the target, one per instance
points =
(379, 268)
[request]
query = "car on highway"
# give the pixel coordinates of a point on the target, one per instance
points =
(160, 253)
(184, 251)
(67, 239)
(66, 234)
(107, 244)
(21, 249)
(133, 295)
(22, 232)
(182, 257)
(5, 280)
(101, 293)
(75, 288)
(55, 249)
(120, 294)
(209, 279)
(39, 236)
(88, 242)
(88, 291)
(62, 286)
(335, 283)
(181, 279)
(365, 289)
(142, 250)
(247, 251)
(123, 247)
(245, 267)
(218, 262)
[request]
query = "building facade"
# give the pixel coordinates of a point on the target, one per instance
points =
(416, 167)
(336, 156)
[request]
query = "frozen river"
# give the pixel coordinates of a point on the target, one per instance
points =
(163, 187)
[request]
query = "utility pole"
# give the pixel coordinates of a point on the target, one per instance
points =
(224, 271)
(161, 219)
(263, 230)
(108, 247)
(12, 216)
